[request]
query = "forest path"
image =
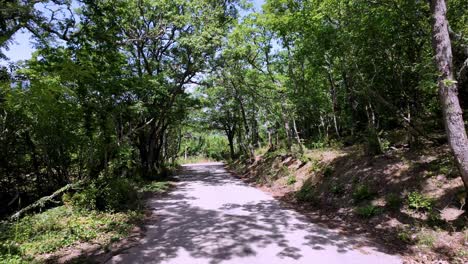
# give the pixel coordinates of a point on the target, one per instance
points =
(212, 217)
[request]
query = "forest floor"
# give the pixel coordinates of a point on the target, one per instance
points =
(411, 201)
(213, 217)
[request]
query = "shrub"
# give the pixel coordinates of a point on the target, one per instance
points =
(306, 194)
(291, 180)
(362, 193)
(368, 211)
(106, 194)
(418, 201)
(393, 201)
(117, 195)
(337, 189)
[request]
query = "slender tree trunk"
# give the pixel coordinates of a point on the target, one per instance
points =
(298, 138)
(448, 90)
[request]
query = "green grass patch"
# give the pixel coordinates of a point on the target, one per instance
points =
(155, 186)
(60, 227)
(368, 211)
(362, 193)
(291, 180)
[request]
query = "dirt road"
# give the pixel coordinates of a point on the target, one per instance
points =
(212, 217)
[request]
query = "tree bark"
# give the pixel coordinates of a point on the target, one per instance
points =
(448, 90)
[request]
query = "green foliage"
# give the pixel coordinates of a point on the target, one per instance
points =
(368, 211)
(404, 235)
(418, 201)
(337, 189)
(362, 193)
(60, 227)
(291, 180)
(306, 194)
(393, 201)
(426, 238)
(155, 186)
(106, 194)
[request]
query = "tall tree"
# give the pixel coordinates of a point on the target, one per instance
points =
(448, 89)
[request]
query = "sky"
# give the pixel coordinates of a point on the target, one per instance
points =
(22, 48)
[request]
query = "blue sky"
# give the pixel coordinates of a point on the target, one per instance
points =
(22, 48)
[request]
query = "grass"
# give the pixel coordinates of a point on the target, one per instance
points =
(368, 211)
(426, 239)
(291, 180)
(63, 226)
(155, 187)
(362, 193)
(60, 227)
(194, 159)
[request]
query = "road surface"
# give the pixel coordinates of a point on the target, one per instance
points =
(212, 217)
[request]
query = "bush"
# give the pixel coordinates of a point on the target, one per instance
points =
(368, 211)
(106, 194)
(362, 193)
(418, 201)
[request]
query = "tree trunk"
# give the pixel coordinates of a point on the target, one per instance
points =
(448, 90)
(298, 138)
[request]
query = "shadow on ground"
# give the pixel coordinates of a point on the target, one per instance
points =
(212, 217)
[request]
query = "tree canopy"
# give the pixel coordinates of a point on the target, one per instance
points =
(123, 88)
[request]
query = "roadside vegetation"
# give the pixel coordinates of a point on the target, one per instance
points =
(95, 215)
(355, 106)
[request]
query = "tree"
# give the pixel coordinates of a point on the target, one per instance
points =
(448, 89)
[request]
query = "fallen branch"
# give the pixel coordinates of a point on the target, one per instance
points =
(41, 202)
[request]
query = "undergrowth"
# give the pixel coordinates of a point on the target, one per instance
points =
(60, 227)
(90, 215)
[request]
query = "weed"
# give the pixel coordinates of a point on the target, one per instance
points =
(304, 158)
(368, 211)
(306, 194)
(337, 189)
(155, 186)
(404, 235)
(362, 193)
(60, 227)
(314, 166)
(418, 201)
(426, 239)
(393, 201)
(291, 180)
(434, 219)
